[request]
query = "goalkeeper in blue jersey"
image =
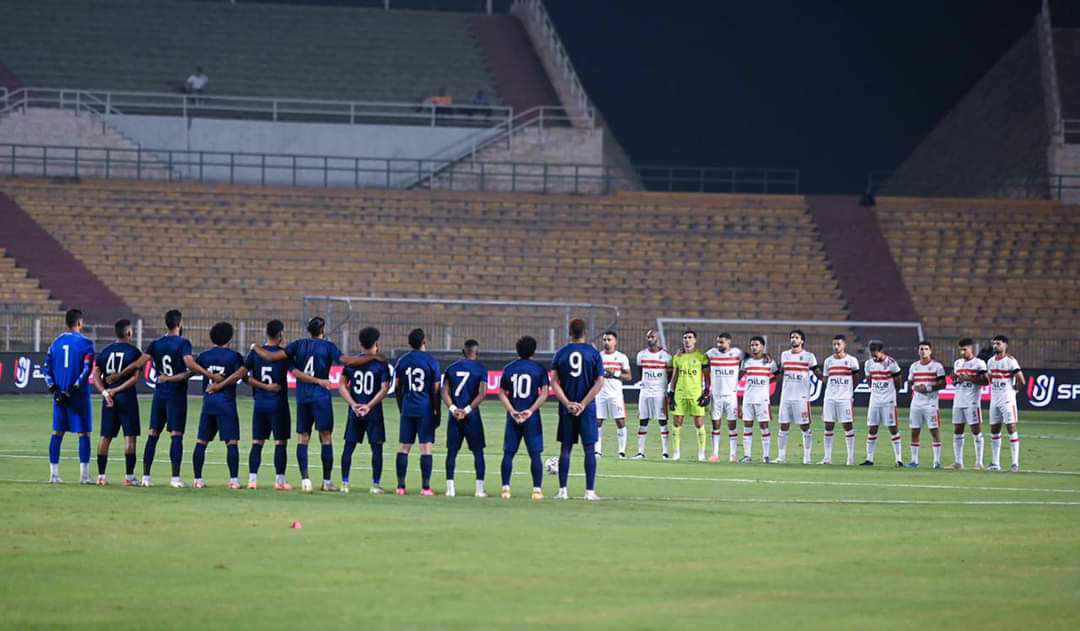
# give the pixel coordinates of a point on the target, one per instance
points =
(67, 374)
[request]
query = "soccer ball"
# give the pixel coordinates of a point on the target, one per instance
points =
(551, 465)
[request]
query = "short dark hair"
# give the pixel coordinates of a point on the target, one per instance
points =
(173, 318)
(724, 335)
(799, 331)
(611, 333)
(72, 317)
(758, 338)
(368, 336)
(691, 332)
(274, 329)
(416, 338)
(876, 345)
(966, 341)
(1000, 338)
(840, 336)
(221, 333)
(526, 346)
(121, 327)
(577, 328)
(316, 326)
(470, 346)
(926, 343)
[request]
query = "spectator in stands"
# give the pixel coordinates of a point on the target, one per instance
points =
(196, 83)
(480, 104)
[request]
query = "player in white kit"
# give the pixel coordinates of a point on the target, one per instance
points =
(610, 402)
(927, 378)
(797, 364)
(724, 362)
(885, 377)
(969, 376)
(655, 364)
(1005, 379)
(840, 371)
(759, 370)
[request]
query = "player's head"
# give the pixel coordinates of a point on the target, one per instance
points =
(610, 340)
(966, 346)
(652, 340)
(417, 338)
(369, 339)
(757, 345)
(877, 349)
(723, 341)
(839, 343)
(221, 333)
(526, 346)
(173, 319)
(926, 350)
(797, 337)
(1000, 344)
(471, 350)
(275, 331)
(74, 319)
(123, 329)
(316, 327)
(577, 329)
(689, 340)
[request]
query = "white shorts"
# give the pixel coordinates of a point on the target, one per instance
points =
(795, 412)
(755, 411)
(1003, 414)
(917, 417)
(725, 408)
(651, 408)
(610, 408)
(881, 415)
(969, 415)
(837, 411)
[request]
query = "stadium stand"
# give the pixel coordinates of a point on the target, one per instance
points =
(20, 292)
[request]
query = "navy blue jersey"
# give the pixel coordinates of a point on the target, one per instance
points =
(579, 366)
(168, 354)
(464, 378)
(113, 359)
(268, 373)
(522, 380)
(419, 372)
(68, 365)
(220, 361)
(364, 382)
(314, 357)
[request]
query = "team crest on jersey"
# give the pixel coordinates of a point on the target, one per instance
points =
(23, 369)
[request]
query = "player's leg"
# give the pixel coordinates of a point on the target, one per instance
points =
(232, 461)
(376, 437)
(748, 432)
(260, 431)
(60, 426)
(158, 419)
(208, 429)
(716, 415)
(977, 437)
(935, 436)
(829, 414)
(511, 441)
(474, 436)
(427, 442)
(676, 430)
(534, 444)
(915, 420)
(959, 421)
(764, 415)
(110, 428)
(455, 436)
(407, 431)
(324, 423)
(849, 431)
(281, 425)
(702, 434)
(645, 413)
(620, 434)
(603, 412)
(305, 421)
(806, 426)
(132, 426)
(176, 410)
(103, 458)
(354, 434)
(1014, 440)
(588, 440)
(790, 412)
(567, 435)
(873, 419)
(892, 421)
(731, 412)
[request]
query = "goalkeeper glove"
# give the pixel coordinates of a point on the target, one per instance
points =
(704, 399)
(671, 403)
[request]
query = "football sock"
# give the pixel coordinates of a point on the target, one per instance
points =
(590, 470)
(621, 434)
(807, 444)
(747, 442)
(915, 453)
(507, 467)
(346, 460)
(828, 445)
(176, 454)
(478, 463)
(599, 438)
(302, 460)
(849, 443)
(376, 463)
(733, 442)
(716, 434)
(232, 459)
(326, 454)
(84, 449)
(766, 443)
(958, 448)
(255, 457)
(642, 434)
(871, 443)
(1014, 447)
(936, 446)
(425, 470)
(451, 463)
(536, 465)
(402, 466)
(781, 445)
(663, 438)
(978, 449)
(279, 459)
(198, 458)
(148, 453)
(702, 438)
(676, 438)
(103, 460)
(54, 448)
(564, 465)
(897, 446)
(129, 463)
(995, 449)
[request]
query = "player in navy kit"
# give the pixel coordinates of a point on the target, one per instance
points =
(67, 374)
(364, 388)
(417, 377)
(577, 377)
(464, 388)
(270, 391)
(522, 390)
(219, 415)
(120, 407)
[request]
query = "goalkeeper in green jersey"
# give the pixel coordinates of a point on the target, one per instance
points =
(690, 387)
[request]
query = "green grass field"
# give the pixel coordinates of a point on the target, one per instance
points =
(686, 544)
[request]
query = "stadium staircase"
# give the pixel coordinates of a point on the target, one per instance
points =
(69, 280)
(522, 82)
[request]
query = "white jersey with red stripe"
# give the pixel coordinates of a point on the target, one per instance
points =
(1002, 372)
(925, 375)
(759, 373)
(724, 369)
(796, 367)
(881, 375)
(965, 393)
(654, 372)
(615, 364)
(839, 377)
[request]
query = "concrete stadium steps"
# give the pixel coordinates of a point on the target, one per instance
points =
(246, 49)
(519, 76)
(650, 254)
(69, 281)
(18, 291)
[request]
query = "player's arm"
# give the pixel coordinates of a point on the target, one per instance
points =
(127, 372)
(505, 399)
(399, 390)
(384, 391)
(1018, 380)
(306, 378)
(481, 393)
(194, 367)
(354, 361)
(446, 396)
(591, 394)
(269, 356)
(95, 379)
(87, 368)
(981, 378)
(436, 400)
(541, 397)
(556, 388)
(129, 383)
(344, 391)
(898, 378)
(234, 378)
(627, 374)
(258, 383)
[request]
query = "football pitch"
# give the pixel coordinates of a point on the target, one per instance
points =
(686, 545)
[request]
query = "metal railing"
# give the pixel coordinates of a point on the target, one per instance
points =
(114, 102)
(537, 21)
(1059, 186)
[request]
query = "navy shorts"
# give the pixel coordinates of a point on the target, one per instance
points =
(471, 430)
(319, 414)
(531, 431)
(212, 424)
(413, 427)
(75, 417)
(171, 411)
(120, 415)
(266, 422)
(573, 428)
(371, 425)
